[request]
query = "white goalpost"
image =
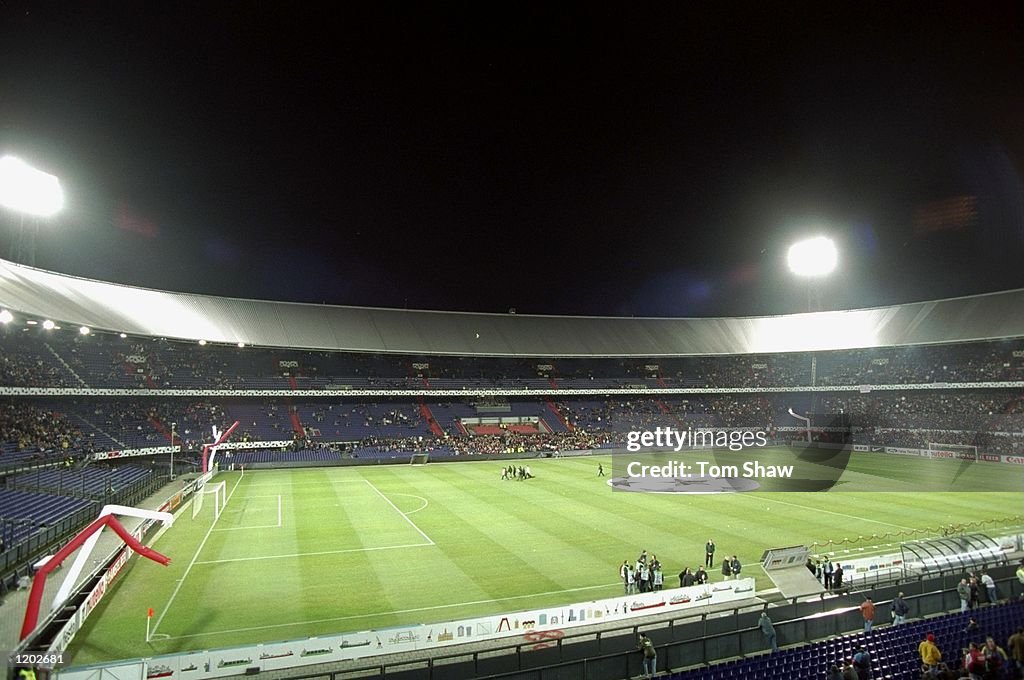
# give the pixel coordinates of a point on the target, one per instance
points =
(203, 484)
(956, 451)
(219, 492)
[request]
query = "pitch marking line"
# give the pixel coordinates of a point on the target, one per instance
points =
(191, 564)
(400, 611)
(409, 495)
(313, 554)
(404, 516)
(259, 526)
(832, 512)
(316, 485)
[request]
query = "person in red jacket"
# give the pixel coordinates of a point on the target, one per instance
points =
(974, 661)
(867, 610)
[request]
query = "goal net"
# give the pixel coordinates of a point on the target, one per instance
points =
(954, 451)
(419, 459)
(219, 492)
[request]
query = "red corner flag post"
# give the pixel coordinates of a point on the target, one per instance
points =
(149, 617)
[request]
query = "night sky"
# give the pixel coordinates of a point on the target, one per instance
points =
(600, 159)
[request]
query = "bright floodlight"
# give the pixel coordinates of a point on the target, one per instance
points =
(49, 325)
(27, 190)
(84, 330)
(813, 257)
(6, 316)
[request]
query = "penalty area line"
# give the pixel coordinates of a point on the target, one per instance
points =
(257, 526)
(310, 485)
(314, 554)
(420, 498)
(404, 516)
(181, 581)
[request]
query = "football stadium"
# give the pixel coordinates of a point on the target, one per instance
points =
(511, 341)
(200, 487)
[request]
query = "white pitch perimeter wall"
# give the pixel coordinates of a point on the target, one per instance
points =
(542, 627)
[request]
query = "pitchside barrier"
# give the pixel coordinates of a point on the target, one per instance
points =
(539, 625)
(694, 637)
(862, 572)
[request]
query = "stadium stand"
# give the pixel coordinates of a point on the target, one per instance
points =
(90, 482)
(104, 361)
(989, 419)
(893, 649)
(958, 397)
(39, 509)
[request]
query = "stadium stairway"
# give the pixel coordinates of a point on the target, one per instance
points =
(435, 428)
(296, 423)
(159, 427)
(566, 426)
(667, 411)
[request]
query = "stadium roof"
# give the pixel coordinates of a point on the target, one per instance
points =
(39, 294)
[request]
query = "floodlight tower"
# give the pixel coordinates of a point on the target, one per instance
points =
(33, 195)
(810, 259)
(813, 259)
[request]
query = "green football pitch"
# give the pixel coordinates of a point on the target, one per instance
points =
(304, 552)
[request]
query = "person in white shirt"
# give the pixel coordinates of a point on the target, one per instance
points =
(990, 587)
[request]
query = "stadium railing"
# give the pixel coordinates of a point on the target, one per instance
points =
(685, 642)
(16, 560)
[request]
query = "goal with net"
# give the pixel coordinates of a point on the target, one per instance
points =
(216, 489)
(956, 451)
(419, 459)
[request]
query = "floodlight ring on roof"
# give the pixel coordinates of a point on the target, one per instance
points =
(185, 316)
